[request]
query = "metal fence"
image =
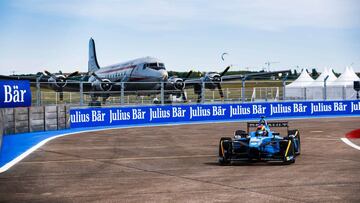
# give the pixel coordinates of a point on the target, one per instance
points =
(322, 91)
(238, 91)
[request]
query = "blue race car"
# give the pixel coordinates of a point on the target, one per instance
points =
(261, 144)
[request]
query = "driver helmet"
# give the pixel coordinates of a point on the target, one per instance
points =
(260, 130)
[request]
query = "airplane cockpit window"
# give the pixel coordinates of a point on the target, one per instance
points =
(155, 66)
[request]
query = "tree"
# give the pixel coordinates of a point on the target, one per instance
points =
(314, 73)
(335, 73)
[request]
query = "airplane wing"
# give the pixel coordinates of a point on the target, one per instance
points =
(254, 75)
(213, 80)
(31, 78)
(197, 81)
(71, 84)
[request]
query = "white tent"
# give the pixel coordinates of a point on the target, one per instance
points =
(343, 87)
(303, 80)
(319, 82)
(316, 89)
(346, 79)
(296, 89)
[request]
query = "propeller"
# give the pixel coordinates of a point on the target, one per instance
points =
(219, 83)
(73, 74)
(60, 81)
(225, 71)
(183, 96)
(105, 84)
(215, 79)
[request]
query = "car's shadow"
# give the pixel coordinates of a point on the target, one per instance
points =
(246, 163)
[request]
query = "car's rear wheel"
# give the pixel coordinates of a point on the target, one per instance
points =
(225, 145)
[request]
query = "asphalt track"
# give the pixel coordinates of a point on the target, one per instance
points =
(179, 164)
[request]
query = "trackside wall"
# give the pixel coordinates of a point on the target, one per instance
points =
(1, 126)
(32, 119)
(147, 115)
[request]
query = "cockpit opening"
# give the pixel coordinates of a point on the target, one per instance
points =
(155, 66)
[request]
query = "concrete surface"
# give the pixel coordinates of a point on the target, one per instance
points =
(179, 164)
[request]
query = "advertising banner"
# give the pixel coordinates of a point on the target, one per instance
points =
(15, 93)
(86, 117)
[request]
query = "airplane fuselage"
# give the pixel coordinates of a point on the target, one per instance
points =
(140, 74)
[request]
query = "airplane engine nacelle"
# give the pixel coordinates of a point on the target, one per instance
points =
(58, 83)
(212, 80)
(176, 83)
(104, 85)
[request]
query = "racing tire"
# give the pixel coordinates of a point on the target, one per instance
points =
(225, 149)
(289, 153)
(297, 139)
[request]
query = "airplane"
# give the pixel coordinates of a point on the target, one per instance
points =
(139, 76)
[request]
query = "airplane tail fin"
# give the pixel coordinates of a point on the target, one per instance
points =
(93, 64)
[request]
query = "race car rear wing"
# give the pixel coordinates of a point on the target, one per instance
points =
(280, 124)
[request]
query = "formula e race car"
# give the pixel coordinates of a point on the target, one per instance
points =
(261, 144)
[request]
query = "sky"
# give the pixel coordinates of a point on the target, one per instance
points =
(185, 34)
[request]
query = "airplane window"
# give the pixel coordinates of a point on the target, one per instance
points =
(155, 66)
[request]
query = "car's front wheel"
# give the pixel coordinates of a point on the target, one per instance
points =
(296, 135)
(225, 150)
(288, 149)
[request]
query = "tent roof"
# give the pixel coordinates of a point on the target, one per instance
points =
(319, 82)
(345, 79)
(303, 80)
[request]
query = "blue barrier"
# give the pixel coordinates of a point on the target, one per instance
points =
(208, 112)
(15, 93)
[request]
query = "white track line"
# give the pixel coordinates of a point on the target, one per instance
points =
(37, 146)
(348, 142)
(29, 151)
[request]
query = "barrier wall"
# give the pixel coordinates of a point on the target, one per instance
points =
(32, 119)
(209, 112)
(1, 126)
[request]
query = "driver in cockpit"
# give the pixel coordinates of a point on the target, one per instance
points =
(261, 131)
